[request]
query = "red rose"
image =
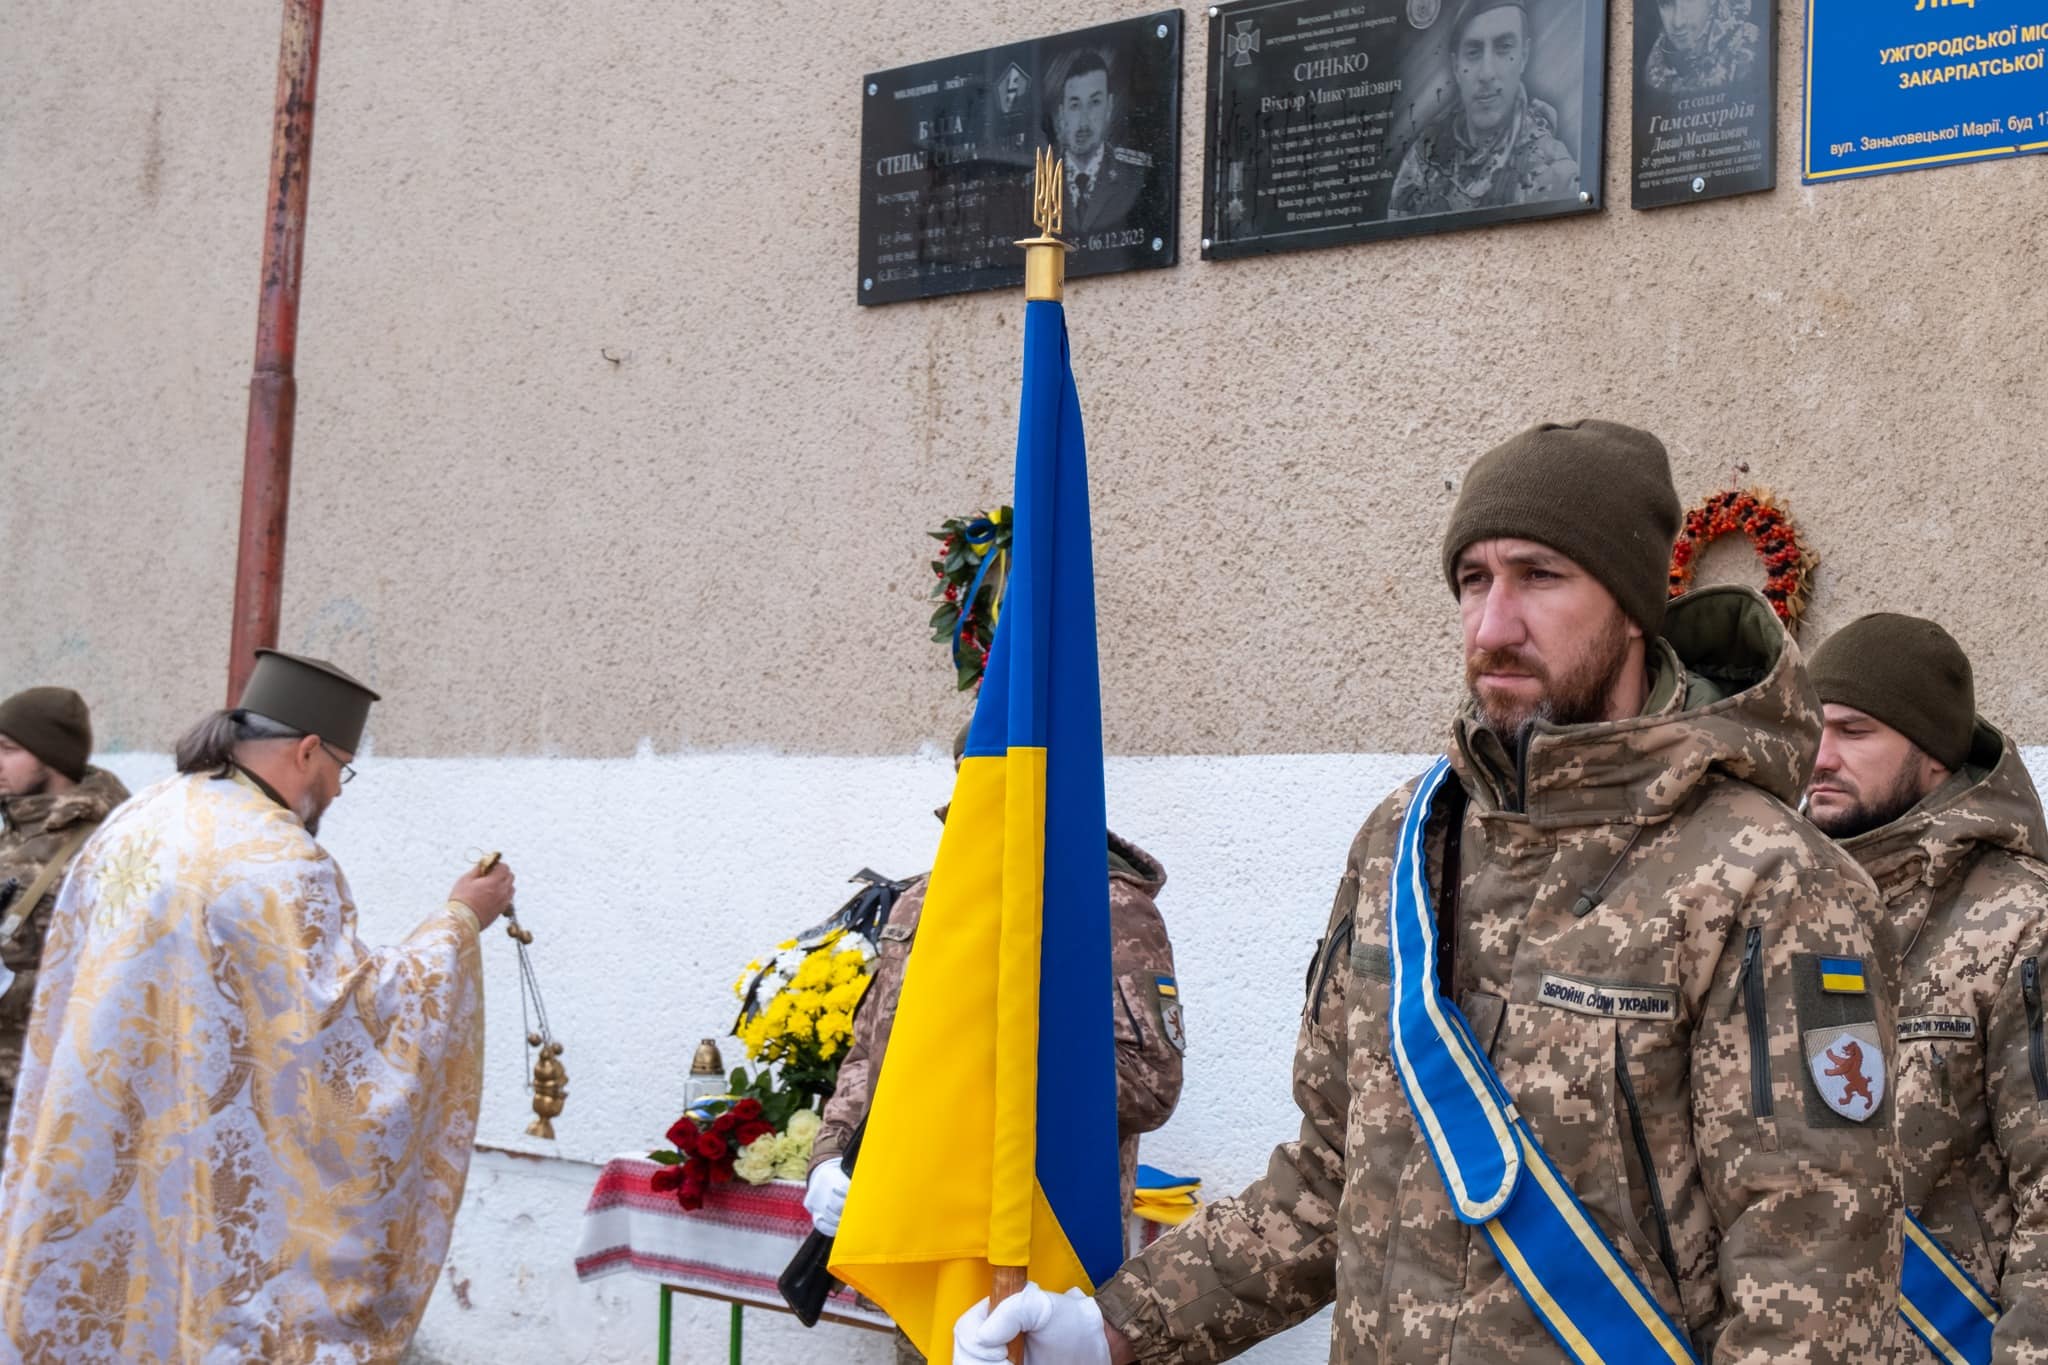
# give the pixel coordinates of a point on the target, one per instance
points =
(747, 1110)
(725, 1122)
(751, 1132)
(665, 1179)
(682, 1133)
(711, 1147)
(721, 1172)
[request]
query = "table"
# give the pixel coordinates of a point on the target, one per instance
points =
(732, 1249)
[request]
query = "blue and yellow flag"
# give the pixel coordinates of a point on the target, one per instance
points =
(992, 1136)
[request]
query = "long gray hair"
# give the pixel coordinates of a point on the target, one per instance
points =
(210, 745)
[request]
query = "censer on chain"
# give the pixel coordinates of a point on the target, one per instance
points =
(550, 1084)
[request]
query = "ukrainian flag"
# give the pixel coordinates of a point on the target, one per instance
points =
(1842, 976)
(992, 1136)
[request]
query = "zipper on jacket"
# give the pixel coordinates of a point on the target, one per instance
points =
(1340, 943)
(1750, 982)
(1635, 1126)
(2037, 1054)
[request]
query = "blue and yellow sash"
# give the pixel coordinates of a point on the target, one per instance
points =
(1496, 1173)
(1949, 1310)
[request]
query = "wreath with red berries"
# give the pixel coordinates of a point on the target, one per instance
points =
(1758, 515)
(973, 562)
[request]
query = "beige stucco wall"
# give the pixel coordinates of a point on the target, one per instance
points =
(717, 541)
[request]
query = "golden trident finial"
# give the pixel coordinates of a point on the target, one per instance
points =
(1045, 256)
(1048, 203)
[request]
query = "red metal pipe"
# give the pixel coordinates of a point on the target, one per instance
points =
(273, 391)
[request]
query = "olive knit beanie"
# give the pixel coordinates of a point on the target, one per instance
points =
(1598, 492)
(1909, 673)
(53, 724)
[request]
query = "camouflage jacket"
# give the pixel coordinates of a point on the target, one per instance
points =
(1445, 171)
(1963, 878)
(1149, 1031)
(36, 829)
(1636, 919)
(1724, 56)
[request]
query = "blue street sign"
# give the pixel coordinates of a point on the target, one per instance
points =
(1904, 85)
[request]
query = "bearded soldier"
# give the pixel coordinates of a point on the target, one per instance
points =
(1574, 1085)
(241, 1134)
(1934, 802)
(51, 800)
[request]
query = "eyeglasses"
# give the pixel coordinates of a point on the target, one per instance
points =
(348, 773)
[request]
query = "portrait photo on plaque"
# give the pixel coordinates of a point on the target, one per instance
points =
(1327, 124)
(947, 150)
(1705, 100)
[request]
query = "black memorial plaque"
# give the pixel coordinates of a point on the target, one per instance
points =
(947, 147)
(1706, 81)
(1331, 123)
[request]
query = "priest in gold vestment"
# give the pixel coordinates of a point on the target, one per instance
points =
(240, 1133)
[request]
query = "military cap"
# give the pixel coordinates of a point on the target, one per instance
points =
(1471, 9)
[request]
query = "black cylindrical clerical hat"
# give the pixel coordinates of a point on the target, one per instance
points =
(312, 696)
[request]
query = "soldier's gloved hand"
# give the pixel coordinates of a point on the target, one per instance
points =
(825, 1196)
(1062, 1330)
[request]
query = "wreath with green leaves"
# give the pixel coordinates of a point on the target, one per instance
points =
(973, 564)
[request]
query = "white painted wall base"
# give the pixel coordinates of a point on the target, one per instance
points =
(649, 881)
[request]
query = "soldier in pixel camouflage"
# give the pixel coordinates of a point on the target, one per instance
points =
(1632, 923)
(51, 800)
(1498, 144)
(1935, 804)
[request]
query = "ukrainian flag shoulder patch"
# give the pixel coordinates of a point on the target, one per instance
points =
(1167, 987)
(1842, 976)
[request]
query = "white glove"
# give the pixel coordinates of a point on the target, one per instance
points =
(825, 1196)
(1066, 1330)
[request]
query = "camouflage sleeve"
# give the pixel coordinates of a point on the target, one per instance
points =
(1805, 1198)
(1554, 176)
(1258, 1262)
(872, 1020)
(2016, 1083)
(1148, 1051)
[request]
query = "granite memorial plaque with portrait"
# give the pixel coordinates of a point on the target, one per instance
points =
(1705, 106)
(947, 149)
(1330, 123)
